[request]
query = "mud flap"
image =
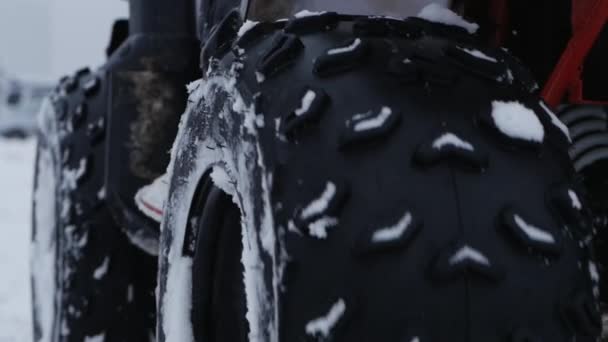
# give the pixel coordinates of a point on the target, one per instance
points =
(145, 108)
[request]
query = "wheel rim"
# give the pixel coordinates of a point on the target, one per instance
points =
(218, 291)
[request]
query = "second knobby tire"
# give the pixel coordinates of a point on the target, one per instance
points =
(90, 282)
(397, 182)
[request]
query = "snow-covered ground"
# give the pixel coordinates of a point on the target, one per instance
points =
(16, 176)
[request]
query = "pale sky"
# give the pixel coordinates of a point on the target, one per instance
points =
(45, 39)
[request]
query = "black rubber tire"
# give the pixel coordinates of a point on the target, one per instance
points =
(462, 270)
(218, 293)
(105, 285)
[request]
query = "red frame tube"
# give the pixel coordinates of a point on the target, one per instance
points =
(588, 19)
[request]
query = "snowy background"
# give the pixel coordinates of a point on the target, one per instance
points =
(40, 40)
(45, 39)
(16, 175)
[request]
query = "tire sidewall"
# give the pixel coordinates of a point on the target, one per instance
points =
(211, 142)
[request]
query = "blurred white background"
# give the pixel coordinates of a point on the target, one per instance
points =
(40, 41)
(45, 39)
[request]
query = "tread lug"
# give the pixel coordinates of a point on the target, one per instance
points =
(441, 148)
(91, 87)
(460, 259)
(529, 235)
(284, 49)
(96, 131)
(61, 108)
(476, 65)
(88, 170)
(70, 85)
(566, 201)
(326, 204)
(347, 56)
(257, 32)
(399, 232)
(312, 24)
(80, 114)
(310, 108)
(82, 72)
(368, 126)
(66, 155)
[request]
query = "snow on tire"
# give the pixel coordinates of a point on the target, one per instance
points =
(243, 175)
(44, 249)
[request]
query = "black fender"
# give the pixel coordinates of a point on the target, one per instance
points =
(146, 95)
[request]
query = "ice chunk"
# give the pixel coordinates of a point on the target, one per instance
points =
(307, 101)
(532, 232)
(595, 275)
(439, 14)
(322, 326)
(478, 54)
(510, 77)
(373, 122)
(452, 140)
(318, 228)
(517, 121)
(307, 13)
(468, 253)
(319, 205)
(130, 293)
(595, 278)
(260, 77)
(72, 176)
(193, 86)
(97, 338)
(247, 25)
(222, 180)
(345, 49)
(101, 271)
(260, 122)
(576, 202)
(101, 194)
(393, 232)
(556, 121)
